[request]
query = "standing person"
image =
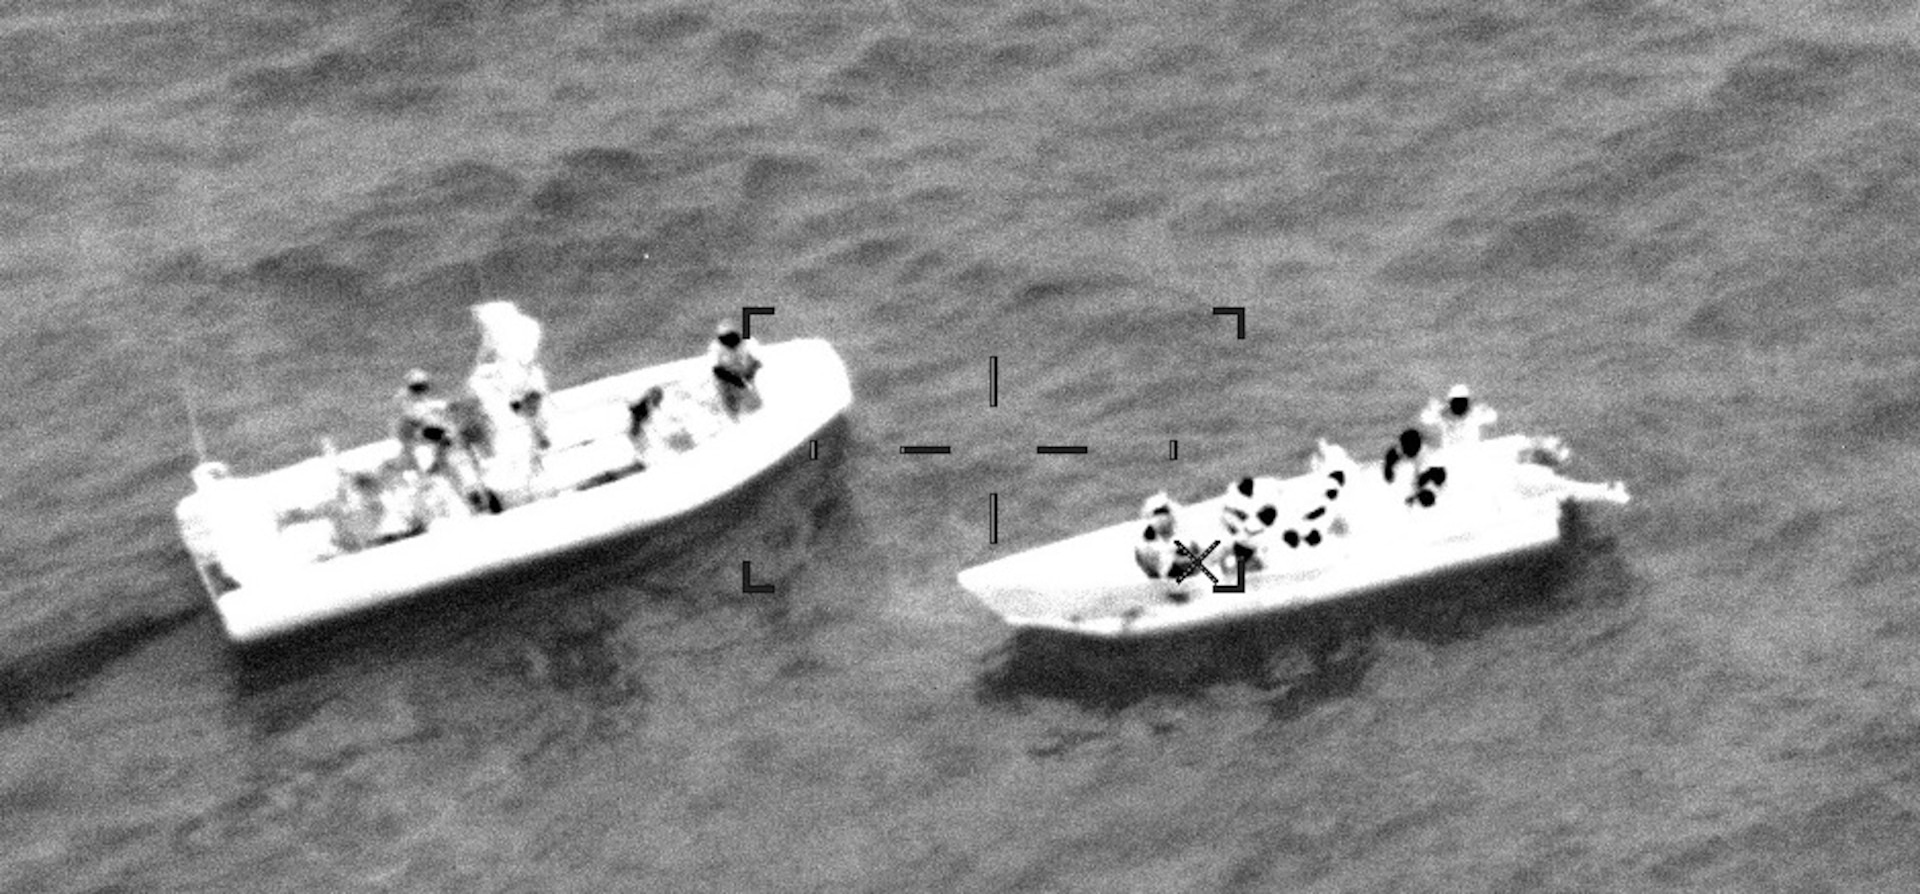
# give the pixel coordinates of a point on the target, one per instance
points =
(734, 365)
(421, 421)
(431, 443)
(511, 386)
(1458, 421)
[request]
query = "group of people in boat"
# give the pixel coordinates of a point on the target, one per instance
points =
(456, 456)
(1253, 510)
(449, 449)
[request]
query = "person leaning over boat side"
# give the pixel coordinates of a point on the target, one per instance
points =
(1458, 421)
(734, 365)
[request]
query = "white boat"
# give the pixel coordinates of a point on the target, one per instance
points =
(269, 548)
(1503, 498)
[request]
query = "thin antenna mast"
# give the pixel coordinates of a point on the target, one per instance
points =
(193, 419)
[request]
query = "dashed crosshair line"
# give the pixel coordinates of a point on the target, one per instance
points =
(1197, 563)
(1239, 314)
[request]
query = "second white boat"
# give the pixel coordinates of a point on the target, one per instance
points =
(1503, 498)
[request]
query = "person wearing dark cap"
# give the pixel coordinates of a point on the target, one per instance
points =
(1155, 552)
(431, 443)
(1459, 420)
(1335, 465)
(1246, 516)
(734, 365)
(1402, 460)
(642, 419)
(1407, 462)
(1412, 466)
(422, 423)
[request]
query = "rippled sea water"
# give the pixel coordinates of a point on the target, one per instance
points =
(1678, 235)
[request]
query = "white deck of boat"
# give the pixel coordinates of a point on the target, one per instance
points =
(803, 384)
(1089, 584)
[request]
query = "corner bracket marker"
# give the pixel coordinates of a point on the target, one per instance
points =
(1239, 580)
(1239, 314)
(746, 580)
(746, 319)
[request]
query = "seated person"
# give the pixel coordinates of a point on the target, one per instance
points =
(1406, 461)
(734, 366)
(1157, 554)
(1245, 516)
(1402, 458)
(362, 517)
(1328, 514)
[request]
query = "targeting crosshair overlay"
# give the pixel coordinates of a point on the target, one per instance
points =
(1239, 314)
(1195, 562)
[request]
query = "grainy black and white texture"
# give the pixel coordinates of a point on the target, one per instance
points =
(1681, 236)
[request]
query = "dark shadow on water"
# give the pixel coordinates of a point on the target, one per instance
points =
(37, 681)
(569, 617)
(1311, 656)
